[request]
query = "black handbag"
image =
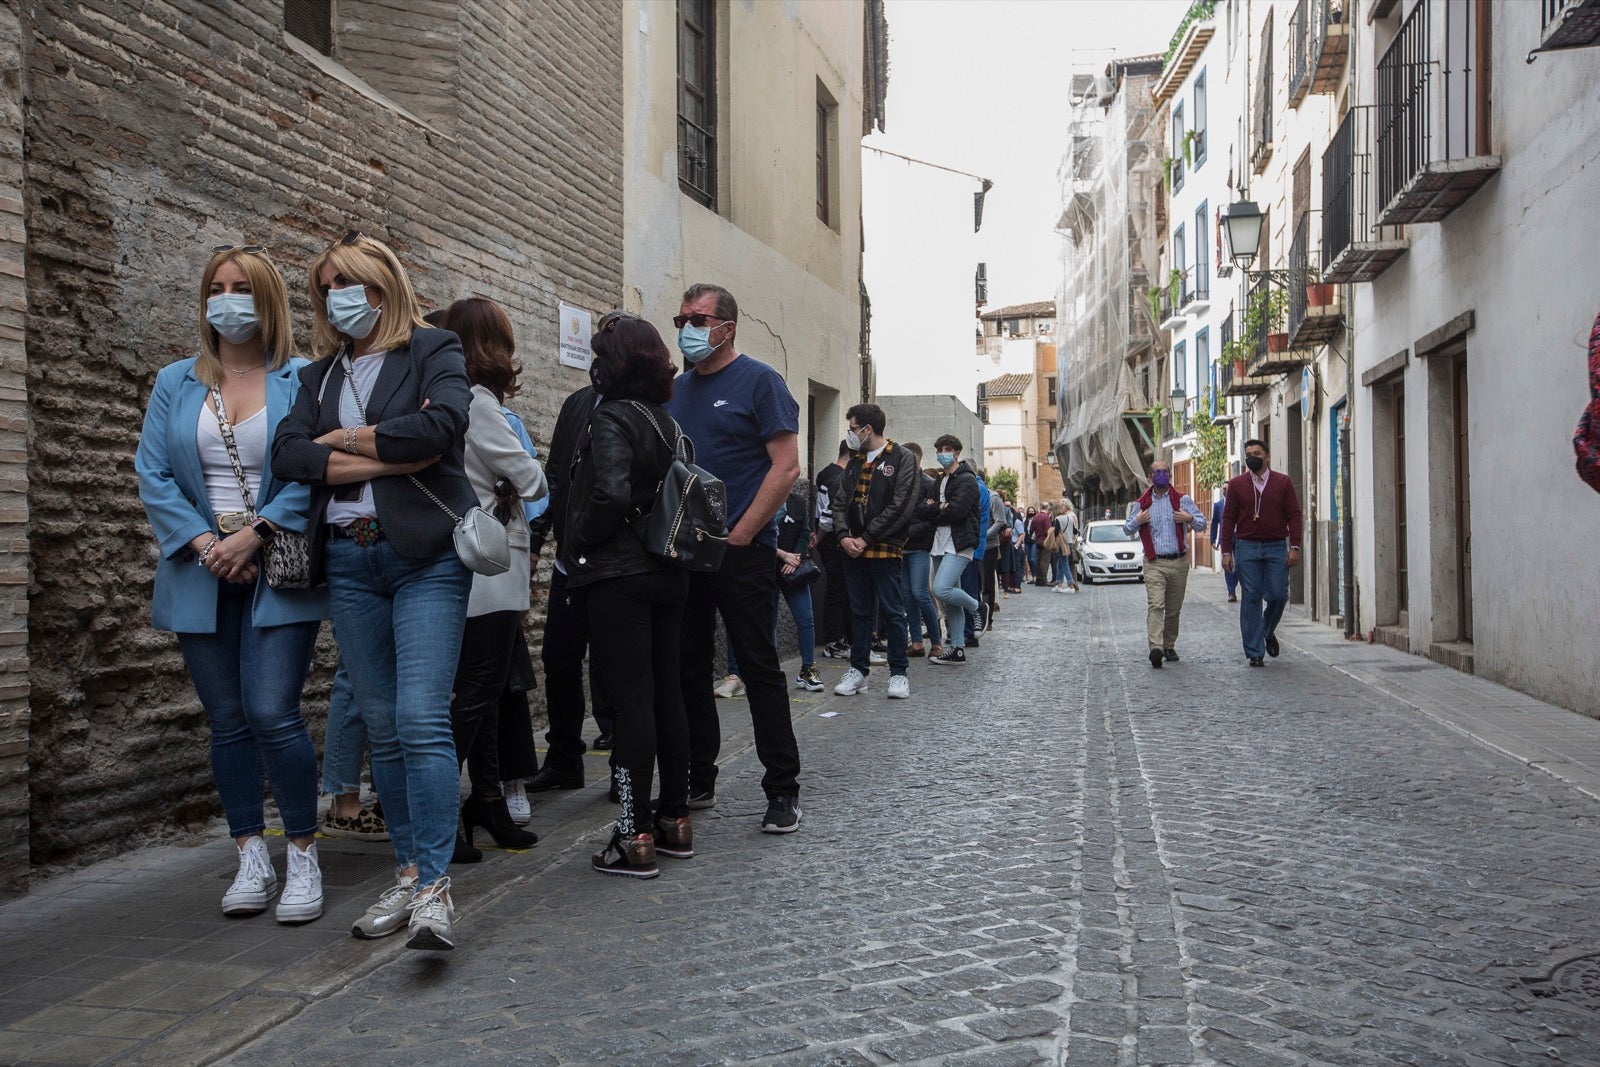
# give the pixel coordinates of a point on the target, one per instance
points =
(688, 524)
(286, 559)
(803, 575)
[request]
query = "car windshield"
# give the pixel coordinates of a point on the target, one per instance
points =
(1106, 532)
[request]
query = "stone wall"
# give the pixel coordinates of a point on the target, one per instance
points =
(157, 129)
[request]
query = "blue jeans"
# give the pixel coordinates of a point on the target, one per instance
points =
(399, 625)
(249, 679)
(1263, 568)
(921, 616)
(345, 742)
(870, 583)
(956, 601)
(798, 597)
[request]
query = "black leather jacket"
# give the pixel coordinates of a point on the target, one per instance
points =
(920, 537)
(570, 426)
(960, 510)
(616, 470)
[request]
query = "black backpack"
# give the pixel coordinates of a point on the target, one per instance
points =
(688, 524)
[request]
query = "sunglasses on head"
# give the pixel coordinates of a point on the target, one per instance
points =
(252, 249)
(695, 320)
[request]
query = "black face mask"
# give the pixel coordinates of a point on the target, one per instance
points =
(1255, 463)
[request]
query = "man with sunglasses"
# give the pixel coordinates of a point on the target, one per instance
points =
(745, 427)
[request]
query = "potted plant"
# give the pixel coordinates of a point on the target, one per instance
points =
(1270, 310)
(1319, 294)
(1239, 353)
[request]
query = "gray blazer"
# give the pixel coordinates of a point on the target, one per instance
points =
(493, 452)
(429, 368)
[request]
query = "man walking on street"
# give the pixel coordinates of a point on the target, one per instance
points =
(745, 427)
(835, 638)
(1162, 518)
(1261, 511)
(873, 515)
(1229, 575)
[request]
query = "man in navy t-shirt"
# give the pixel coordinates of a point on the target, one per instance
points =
(745, 426)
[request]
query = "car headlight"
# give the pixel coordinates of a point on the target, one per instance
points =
(1095, 555)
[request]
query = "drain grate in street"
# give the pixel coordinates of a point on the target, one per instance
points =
(1406, 668)
(1576, 980)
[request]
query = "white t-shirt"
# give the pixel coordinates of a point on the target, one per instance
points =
(222, 485)
(944, 542)
(363, 375)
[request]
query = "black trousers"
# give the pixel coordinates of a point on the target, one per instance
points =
(640, 660)
(566, 642)
(745, 591)
(836, 597)
(487, 642)
(991, 567)
(519, 758)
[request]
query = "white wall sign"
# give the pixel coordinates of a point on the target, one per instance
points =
(576, 328)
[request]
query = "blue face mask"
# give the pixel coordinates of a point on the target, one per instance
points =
(946, 458)
(694, 342)
(233, 315)
(349, 312)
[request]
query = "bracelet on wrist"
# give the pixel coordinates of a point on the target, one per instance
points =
(350, 441)
(205, 555)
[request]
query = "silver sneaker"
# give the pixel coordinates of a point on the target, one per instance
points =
(431, 912)
(256, 883)
(302, 890)
(389, 914)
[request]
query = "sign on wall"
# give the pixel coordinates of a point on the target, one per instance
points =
(576, 327)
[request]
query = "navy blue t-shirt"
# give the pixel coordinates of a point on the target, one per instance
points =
(730, 416)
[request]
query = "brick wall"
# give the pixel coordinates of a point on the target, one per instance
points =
(157, 128)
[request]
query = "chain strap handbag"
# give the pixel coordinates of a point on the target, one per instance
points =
(687, 524)
(286, 559)
(481, 540)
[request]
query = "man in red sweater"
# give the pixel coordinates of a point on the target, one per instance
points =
(1261, 512)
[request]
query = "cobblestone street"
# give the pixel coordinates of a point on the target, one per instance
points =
(1052, 855)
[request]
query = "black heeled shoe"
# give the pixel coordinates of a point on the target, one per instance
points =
(491, 814)
(465, 853)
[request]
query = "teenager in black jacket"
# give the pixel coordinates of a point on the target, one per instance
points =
(954, 513)
(921, 615)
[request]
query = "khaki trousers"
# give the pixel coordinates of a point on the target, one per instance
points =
(1165, 581)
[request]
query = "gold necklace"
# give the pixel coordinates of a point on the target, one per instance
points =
(242, 373)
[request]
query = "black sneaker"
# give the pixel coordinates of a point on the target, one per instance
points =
(985, 618)
(837, 650)
(880, 645)
(783, 815)
(1257, 661)
(701, 799)
(972, 640)
(1171, 654)
(603, 743)
(1155, 657)
(957, 656)
(1272, 646)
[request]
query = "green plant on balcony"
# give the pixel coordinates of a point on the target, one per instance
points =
(1168, 163)
(1190, 138)
(1199, 11)
(1210, 446)
(1237, 353)
(1267, 311)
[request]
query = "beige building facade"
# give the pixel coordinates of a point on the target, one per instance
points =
(742, 140)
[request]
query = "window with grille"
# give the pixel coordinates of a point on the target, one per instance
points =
(311, 21)
(697, 100)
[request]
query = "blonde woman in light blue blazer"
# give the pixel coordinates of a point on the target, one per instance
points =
(247, 645)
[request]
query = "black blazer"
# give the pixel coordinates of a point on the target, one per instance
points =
(429, 368)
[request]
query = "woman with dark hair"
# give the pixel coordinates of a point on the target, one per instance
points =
(635, 598)
(502, 474)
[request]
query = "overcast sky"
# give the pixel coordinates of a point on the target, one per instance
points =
(980, 86)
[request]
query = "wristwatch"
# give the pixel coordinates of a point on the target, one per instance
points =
(263, 530)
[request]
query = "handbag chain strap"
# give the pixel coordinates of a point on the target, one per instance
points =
(656, 426)
(233, 453)
(361, 409)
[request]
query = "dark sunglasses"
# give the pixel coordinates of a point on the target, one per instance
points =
(695, 320)
(252, 249)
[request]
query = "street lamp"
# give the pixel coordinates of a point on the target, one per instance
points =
(1179, 405)
(1244, 232)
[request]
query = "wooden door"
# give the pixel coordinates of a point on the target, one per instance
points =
(1463, 499)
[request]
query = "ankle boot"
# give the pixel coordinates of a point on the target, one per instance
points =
(464, 852)
(492, 814)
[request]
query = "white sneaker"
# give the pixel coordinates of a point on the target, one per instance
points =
(852, 683)
(389, 914)
(899, 687)
(256, 883)
(877, 659)
(431, 912)
(730, 688)
(517, 803)
(302, 890)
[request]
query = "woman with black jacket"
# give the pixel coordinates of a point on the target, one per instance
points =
(635, 598)
(915, 562)
(957, 528)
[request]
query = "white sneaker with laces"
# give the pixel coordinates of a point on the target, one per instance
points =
(256, 883)
(517, 803)
(431, 915)
(389, 914)
(302, 890)
(730, 687)
(877, 659)
(899, 687)
(852, 683)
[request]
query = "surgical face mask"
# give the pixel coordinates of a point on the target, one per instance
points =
(233, 315)
(1161, 479)
(349, 312)
(1255, 463)
(947, 459)
(852, 439)
(695, 343)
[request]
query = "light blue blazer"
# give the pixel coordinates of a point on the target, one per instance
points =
(173, 490)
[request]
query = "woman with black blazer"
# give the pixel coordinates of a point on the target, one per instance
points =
(379, 424)
(635, 599)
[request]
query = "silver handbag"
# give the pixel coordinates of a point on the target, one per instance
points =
(481, 539)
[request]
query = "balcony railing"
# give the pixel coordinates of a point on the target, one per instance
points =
(1261, 121)
(697, 161)
(1319, 45)
(1234, 384)
(1270, 343)
(1432, 123)
(1299, 54)
(1354, 248)
(1196, 290)
(1311, 323)
(1568, 24)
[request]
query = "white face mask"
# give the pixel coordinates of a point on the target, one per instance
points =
(349, 312)
(852, 439)
(233, 315)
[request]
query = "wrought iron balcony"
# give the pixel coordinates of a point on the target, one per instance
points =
(1196, 296)
(1354, 249)
(1299, 55)
(1235, 384)
(1569, 24)
(1270, 341)
(1320, 45)
(1432, 118)
(1312, 322)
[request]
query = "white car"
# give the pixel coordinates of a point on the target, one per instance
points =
(1108, 554)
